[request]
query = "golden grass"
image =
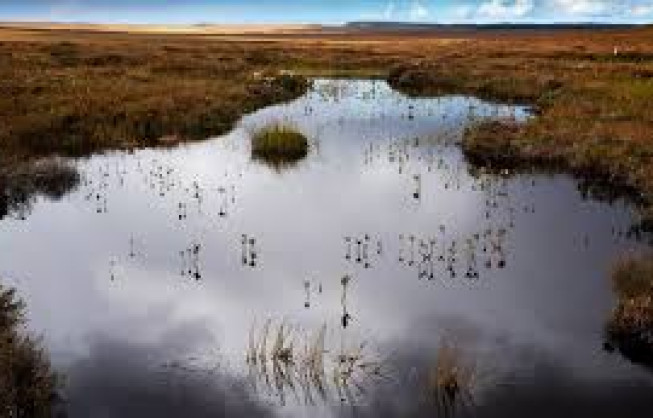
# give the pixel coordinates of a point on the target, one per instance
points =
(633, 276)
(74, 96)
(630, 327)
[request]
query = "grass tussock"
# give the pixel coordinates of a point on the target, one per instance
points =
(27, 384)
(630, 327)
(279, 145)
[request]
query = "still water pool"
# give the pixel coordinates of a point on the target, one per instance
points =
(380, 276)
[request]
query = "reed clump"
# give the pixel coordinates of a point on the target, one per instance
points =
(279, 145)
(630, 327)
(27, 383)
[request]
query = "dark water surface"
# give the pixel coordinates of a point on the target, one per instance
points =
(196, 282)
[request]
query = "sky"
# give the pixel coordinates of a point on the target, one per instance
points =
(326, 11)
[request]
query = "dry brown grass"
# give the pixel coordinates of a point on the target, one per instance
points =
(630, 327)
(74, 95)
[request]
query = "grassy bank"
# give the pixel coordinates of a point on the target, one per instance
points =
(630, 328)
(27, 384)
(75, 95)
(594, 106)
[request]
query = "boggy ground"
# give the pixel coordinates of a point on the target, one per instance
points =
(74, 92)
(592, 93)
(78, 91)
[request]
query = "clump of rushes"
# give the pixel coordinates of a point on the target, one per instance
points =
(279, 145)
(27, 383)
(630, 328)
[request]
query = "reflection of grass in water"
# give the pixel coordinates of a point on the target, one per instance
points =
(630, 327)
(300, 364)
(286, 361)
(279, 145)
(27, 383)
(354, 369)
(311, 373)
(21, 183)
(450, 381)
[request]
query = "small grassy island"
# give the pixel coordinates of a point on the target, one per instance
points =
(630, 328)
(279, 145)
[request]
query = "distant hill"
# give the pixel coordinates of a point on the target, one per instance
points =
(362, 28)
(200, 28)
(439, 27)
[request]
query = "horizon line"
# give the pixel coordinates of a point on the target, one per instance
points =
(327, 24)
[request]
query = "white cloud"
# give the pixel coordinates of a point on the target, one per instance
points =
(388, 13)
(550, 10)
(505, 9)
(413, 10)
(514, 10)
(462, 11)
(389, 10)
(642, 10)
(583, 7)
(418, 11)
